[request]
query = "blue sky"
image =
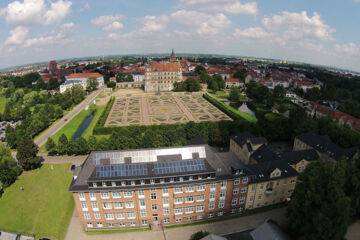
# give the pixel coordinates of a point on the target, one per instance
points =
(323, 32)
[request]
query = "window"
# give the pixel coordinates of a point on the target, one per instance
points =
(162, 180)
(82, 196)
(166, 211)
(165, 192)
(222, 195)
(166, 220)
(141, 194)
(84, 206)
(178, 200)
(154, 207)
(92, 196)
(107, 205)
(113, 184)
(199, 217)
(178, 190)
(116, 194)
(200, 198)
(89, 225)
(251, 199)
(97, 215)
(259, 197)
(129, 204)
(191, 178)
(199, 208)
(87, 215)
(189, 199)
(234, 201)
(172, 179)
(123, 183)
(120, 215)
(143, 213)
(253, 187)
(188, 219)
(165, 201)
(178, 220)
(133, 183)
(121, 224)
(144, 222)
(211, 215)
(212, 196)
(128, 194)
(132, 224)
(104, 195)
(223, 185)
(242, 200)
(99, 225)
(243, 190)
(237, 181)
(212, 186)
(95, 206)
(200, 187)
(131, 215)
(109, 216)
(152, 181)
(244, 180)
(235, 191)
(221, 213)
(189, 188)
(211, 206)
(111, 225)
(240, 209)
(178, 210)
(94, 184)
(292, 181)
(153, 196)
(142, 204)
(285, 181)
(221, 204)
(233, 210)
(142, 182)
(104, 184)
(261, 187)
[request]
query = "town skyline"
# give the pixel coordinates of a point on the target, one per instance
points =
(305, 32)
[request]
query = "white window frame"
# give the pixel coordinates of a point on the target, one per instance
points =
(120, 215)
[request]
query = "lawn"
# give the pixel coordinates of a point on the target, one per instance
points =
(89, 131)
(3, 101)
(45, 206)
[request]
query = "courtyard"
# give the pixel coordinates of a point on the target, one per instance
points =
(168, 108)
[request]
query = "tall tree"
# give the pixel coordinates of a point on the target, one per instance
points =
(26, 154)
(62, 144)
(50, 146)
(77, 93)
(319, 208)
(92, 84)
(234, 94)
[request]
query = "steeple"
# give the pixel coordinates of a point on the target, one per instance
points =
(172, 56)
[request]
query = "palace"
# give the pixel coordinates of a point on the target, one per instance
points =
(161, 76)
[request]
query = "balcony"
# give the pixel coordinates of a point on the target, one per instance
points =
(269, 191)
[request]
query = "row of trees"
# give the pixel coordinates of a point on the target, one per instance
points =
(325, 198)
(189, 85)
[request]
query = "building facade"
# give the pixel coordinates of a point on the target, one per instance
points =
(161, 76)
(81, 79)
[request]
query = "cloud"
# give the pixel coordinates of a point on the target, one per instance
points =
(35, 12)
(299, 26)
(154, 23)
(113, 26)
(65, 31)
(252, 32)
(229, 6)
(202, 23)
(349, 49)
(105, 20)
(17, 36)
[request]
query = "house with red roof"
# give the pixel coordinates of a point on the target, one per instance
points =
(233, 82)
(81, 79)
(304, 85)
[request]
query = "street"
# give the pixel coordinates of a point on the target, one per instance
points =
(61, 123)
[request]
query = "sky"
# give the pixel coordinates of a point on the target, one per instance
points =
(324, 32)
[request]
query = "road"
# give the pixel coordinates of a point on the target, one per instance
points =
(61, 123)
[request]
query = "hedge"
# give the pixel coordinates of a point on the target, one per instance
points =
(99, 127)
(230, 111)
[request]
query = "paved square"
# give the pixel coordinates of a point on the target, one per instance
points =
(168, 109)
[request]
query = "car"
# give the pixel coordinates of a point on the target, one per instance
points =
(65, 120)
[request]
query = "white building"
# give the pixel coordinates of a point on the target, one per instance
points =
(138, 77)
(80, 78)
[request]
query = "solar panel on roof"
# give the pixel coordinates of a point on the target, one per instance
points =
(179, 166)
(124, 170)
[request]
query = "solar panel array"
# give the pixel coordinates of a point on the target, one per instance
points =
(179, 166)
(124, 170)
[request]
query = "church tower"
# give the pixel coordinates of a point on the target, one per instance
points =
(172, 56)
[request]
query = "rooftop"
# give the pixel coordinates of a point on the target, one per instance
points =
(84, 75)
(165, 66)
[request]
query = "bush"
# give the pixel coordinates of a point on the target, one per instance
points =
(99, 128)
(199, 235)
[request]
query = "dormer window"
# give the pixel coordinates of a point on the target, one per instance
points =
(94, 184)
(190, 178)
(132, 182)
(142, 182)
(123, 183)
(172, 179)
(181, 179)
(152, 181)
(199, 177)
(113, 184)
(104, 184)
(162, 180)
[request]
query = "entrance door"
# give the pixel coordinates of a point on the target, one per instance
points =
(155, 217)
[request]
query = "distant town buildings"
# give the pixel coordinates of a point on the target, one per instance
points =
(80, 78)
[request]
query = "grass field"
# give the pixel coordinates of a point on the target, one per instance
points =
(45, 206)
(98, 113)
(2, 104)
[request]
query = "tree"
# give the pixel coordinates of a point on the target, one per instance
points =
(352, 185)
(312, 212)
(110, 84)
(10, 136)
(279, 92)
(129, 78)
(180, 86)
(92, 84)
(120, 77)
(51, 146)
(62, 144)
(53, 83)
(240, 74)
(7, 175)
(81, 146)
(199, 69)
(192, 85)
(199, 235)
(26, 154)
(234, 94)
(77, 93)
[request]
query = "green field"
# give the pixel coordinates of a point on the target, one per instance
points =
(88, 132)
(45, 206)
(2, 104)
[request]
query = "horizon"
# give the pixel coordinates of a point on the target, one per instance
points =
(36, 31)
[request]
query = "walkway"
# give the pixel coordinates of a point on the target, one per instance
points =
(61, 123)
(181, 233)
(76, 160)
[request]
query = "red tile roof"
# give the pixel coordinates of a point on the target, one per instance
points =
(165, 66)
(232, 80)
(84, 75)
